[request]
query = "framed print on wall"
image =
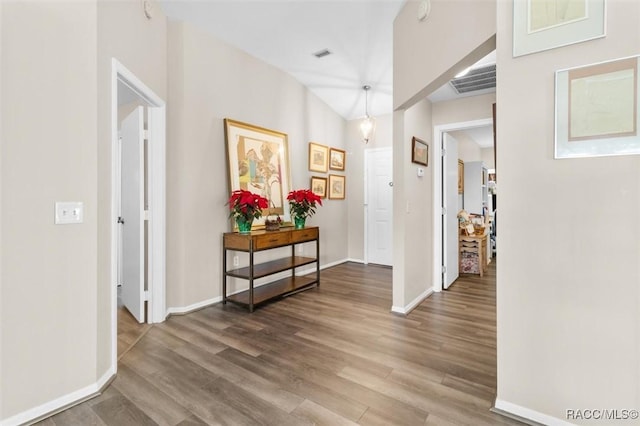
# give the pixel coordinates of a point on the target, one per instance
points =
(337, 188)
(419, 151)
(337, 158)
(318, 157)
(460, 176)
(319, 186)
(258, 161)
(597, 110)
(546, 24)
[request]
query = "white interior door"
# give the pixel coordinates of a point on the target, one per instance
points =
(132, 211)
(379, 203)
(450, 201)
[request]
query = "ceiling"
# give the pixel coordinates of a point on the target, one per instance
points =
(287, 33)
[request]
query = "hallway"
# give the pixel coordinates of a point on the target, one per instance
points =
(333, 355)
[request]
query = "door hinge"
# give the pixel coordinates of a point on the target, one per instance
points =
(147, 296)
(443, 152)
(444, 210)
(121, 220)
(145, 134)
(444, 269)
(146, 215)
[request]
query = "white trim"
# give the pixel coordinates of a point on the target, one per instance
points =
(529, 414)
(61, 403)
(157, 198)
(437, 191)
(355, 261)
(411, 306)
(194, 307)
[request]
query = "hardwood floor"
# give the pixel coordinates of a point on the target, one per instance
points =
(334, 355)
(129, 331)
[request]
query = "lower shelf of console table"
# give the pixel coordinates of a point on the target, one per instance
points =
(257, 241)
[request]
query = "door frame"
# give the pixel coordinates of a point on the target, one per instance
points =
(367, 164)
(156, 135)
(437, 191)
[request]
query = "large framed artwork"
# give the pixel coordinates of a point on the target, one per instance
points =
(258, 161)
(546, 24)
(597, 110)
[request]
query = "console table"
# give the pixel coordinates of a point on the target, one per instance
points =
(257, 241)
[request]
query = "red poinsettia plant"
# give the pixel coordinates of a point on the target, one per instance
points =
(303, 203)
(246, 204)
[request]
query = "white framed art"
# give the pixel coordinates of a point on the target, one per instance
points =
(546, 24)
(596, 111)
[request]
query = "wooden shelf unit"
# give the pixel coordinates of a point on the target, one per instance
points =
(257, 241)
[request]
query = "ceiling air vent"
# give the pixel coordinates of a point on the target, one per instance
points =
(322, 53)
(476, 79)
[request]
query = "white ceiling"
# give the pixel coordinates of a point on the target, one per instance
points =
(286, 34)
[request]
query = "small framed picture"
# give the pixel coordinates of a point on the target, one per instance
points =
(419, 151)
(318, 157)
(337, 159)
(319, 186)
(337, 187)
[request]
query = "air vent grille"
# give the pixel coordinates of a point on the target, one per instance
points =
(476, 79)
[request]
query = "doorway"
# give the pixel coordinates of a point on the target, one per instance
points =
(150, 259)
(442, 241)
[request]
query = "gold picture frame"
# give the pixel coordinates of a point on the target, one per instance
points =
(318, 157)
(337, 187)
(337, 159)
(258, 161)
(319, 186)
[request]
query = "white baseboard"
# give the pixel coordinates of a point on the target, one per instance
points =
(181, 310)
(528, 414)
(356, 260)
(60, 404)
(415, 302)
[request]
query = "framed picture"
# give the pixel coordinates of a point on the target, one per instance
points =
(419, 151)
(460, 176)
(318, 157)
(319, 186)
(546, 24)
(337, 158)
(337, 188)
(597, 110)
(258, 161)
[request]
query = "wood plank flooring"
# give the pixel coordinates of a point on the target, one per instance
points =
(333, 355)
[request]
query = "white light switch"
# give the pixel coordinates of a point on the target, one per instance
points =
(68, 213)
(420, 172)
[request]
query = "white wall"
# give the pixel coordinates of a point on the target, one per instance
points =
(48, 154)
(568, 288)
(356, 148)
(412, 214)
(468, 149)
(486, 155)
(209, 81)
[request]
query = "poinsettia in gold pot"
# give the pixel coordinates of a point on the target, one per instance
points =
(245, 206)
(302, 204)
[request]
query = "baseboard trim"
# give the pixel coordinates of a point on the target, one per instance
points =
(411, 306)
(57, 405)
(526, 415)
(355, 260)
(183, 310)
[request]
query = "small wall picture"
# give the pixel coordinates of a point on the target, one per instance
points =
(419, 151)
(337, 187)
(337, 159)
(460, 176)
(318, 157)
(319, 186)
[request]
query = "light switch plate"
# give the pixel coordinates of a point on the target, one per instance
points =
(68, 212)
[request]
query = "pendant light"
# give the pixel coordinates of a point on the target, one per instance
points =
(368, 123)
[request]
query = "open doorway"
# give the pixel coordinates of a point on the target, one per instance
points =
(138, 207)
(448, 200)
